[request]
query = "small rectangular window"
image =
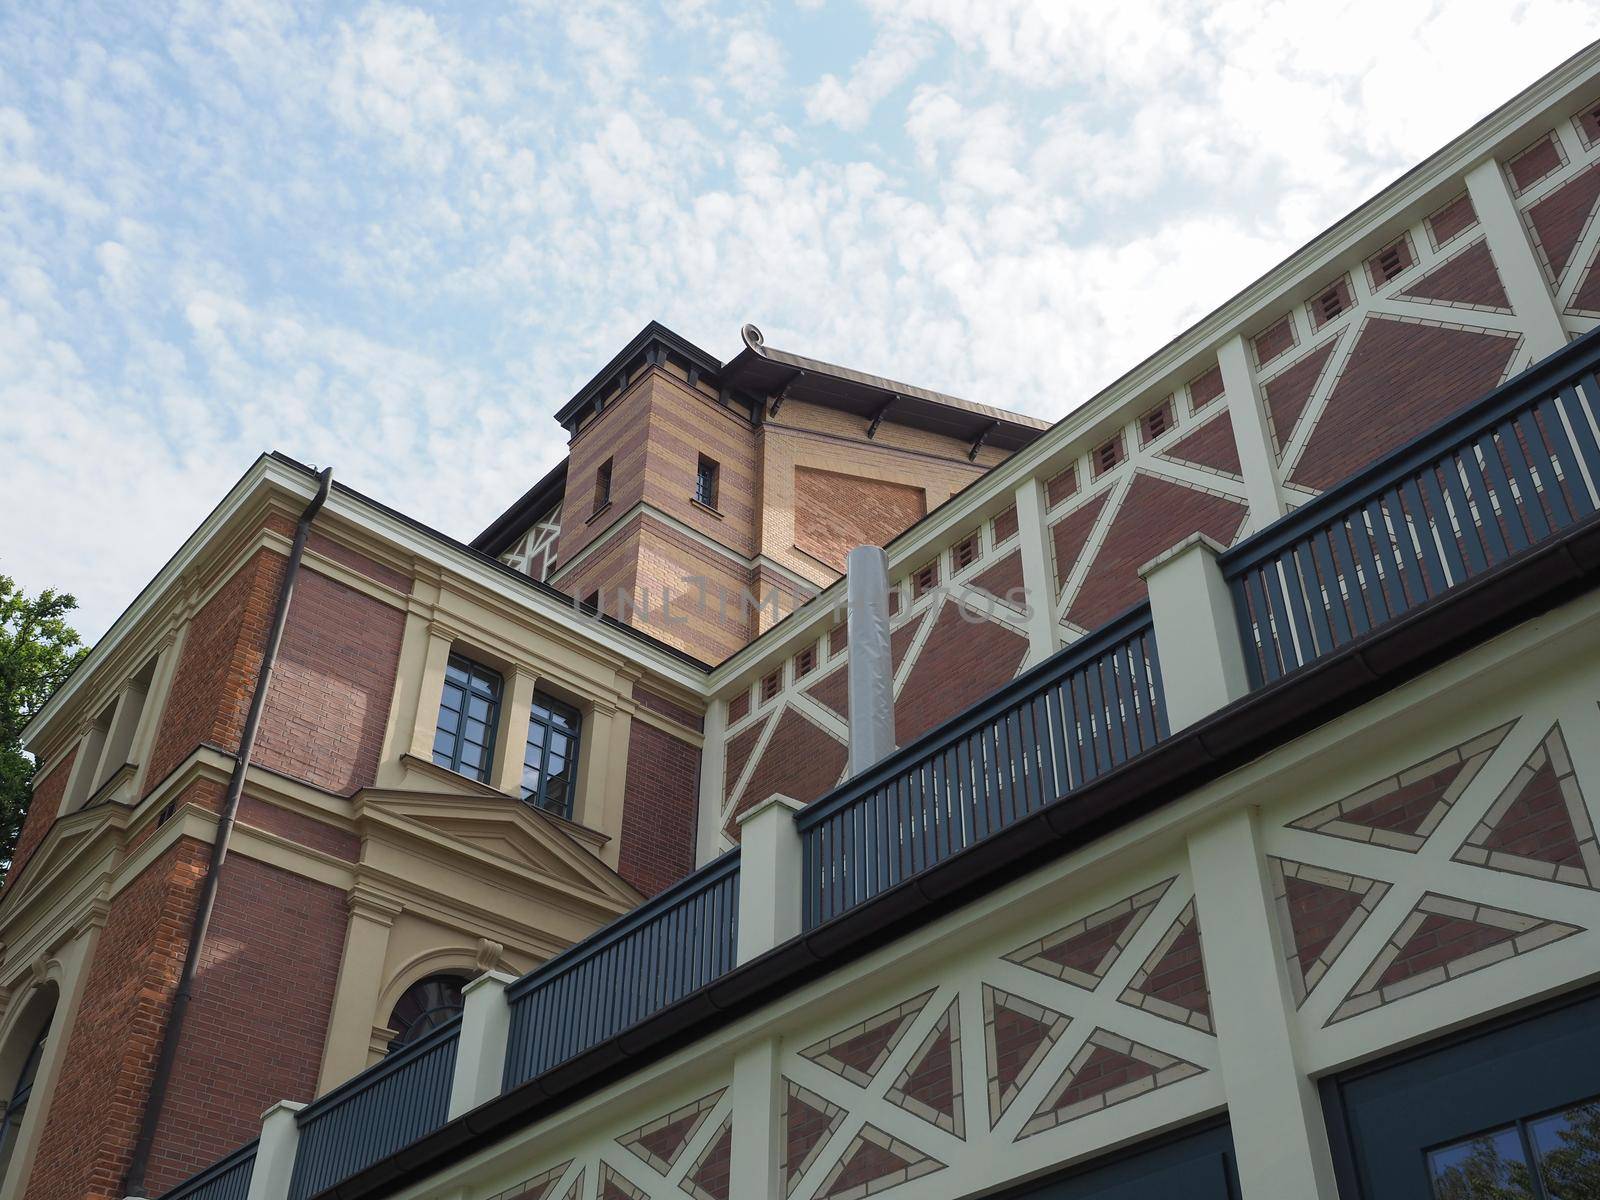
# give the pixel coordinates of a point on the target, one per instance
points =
(705, 482)
(1108, 456)
(1155, 422)
(925, 579)
(549, 761)
(770, 684)
(1390, 262)
(469, 712)
(966, 552)
(602, 486)
(591, 602)
(1332, 301)
(805, 662)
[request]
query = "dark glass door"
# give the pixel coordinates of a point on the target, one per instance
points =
(1196, 1166)
(1508, 1113)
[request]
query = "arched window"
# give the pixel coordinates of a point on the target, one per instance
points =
(17, 1105)
(424, 1006)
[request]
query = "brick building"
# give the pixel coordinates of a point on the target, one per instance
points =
(1241, 837)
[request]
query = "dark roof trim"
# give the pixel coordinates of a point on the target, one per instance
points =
(445, 539)
(1526, 586)
(534, 503)
(648, 345)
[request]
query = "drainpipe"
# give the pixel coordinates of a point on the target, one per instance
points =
(871, 666)
(134, 1181)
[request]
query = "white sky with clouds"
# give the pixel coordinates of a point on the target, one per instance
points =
(395, 239)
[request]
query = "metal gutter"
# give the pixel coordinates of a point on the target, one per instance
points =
(534, 502)
(1525, 587)
(149, 1118)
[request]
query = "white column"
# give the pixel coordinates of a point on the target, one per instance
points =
(1038, 579)
(362, 974)
(280, 1136)
(1251, 433)
(1197, 632)
(758, 1139)
(713, 766)
(871, 665)
(1520, 271)
(481, 1050)
(511, 738)
(430, 689)
(1279, 1134)
(769, 876)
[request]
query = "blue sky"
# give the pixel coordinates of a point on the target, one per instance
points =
(395, 238)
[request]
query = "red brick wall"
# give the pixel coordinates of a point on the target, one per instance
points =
(331, 687)
(800, 760)
(48, 790)
(961, 662)
(256, 1025)
(307, 831)
(834, 513)
(85, 1146)
(211, 688)
(659, 806)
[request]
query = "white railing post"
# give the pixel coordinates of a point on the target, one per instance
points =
(769, 876)
(481, 1050)
(1197, 631)
(274, 1167)
(1280, 1137)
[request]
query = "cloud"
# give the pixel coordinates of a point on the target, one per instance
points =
(394, 240)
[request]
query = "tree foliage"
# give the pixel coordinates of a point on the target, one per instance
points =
(38, 650)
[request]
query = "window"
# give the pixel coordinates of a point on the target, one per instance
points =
(1156, 422)
(1546, 1158)
(423, 1007)
(549, 761)
(705, 482)
(17, 1107)
(805, 662)
(1333, 300)
(1107, 456)
(468, 714)
(966, 552)
(1389, 262)
(770, 685)
(591, 603)
(602, 485)
(925, 579)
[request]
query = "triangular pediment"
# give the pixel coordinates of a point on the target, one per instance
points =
(497, 831)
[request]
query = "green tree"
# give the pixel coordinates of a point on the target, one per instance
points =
(38, 650)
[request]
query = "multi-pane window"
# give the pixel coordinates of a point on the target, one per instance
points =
(1554, 1157)
(550, 761)
(425, 1005)
(705, 482)
(17, 1107)
(468, 714)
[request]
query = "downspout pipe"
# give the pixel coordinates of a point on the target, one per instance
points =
(138, 1167)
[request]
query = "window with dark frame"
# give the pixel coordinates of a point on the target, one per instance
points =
(469, 710)
(424, 1006)
(549, 763)
(17, 1108)
(705, 482)
(602, 485)
(1538, 1157)
(965, 552)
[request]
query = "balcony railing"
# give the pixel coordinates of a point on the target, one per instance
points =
(369, 1117)
(226, 1179)
(670, 946)
(1052, 729)
(1459, 501)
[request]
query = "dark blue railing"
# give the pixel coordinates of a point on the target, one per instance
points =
(364, 1120)
(673, 944)
(226, 1179)
(1072, 718)
(1462, 499)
